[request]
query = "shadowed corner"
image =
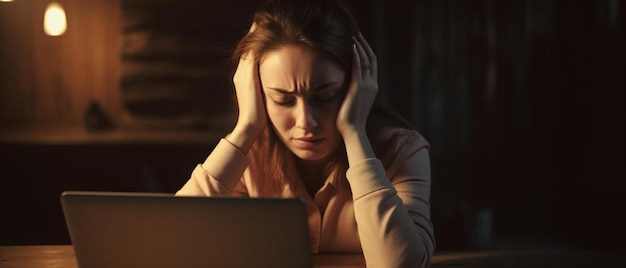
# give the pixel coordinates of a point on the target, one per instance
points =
(529, 258)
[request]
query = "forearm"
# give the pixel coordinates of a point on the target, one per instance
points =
(358, 147)
(219, 174)
(243, 136)
(390, 234)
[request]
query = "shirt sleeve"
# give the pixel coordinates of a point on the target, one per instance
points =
(392, 208)
(220, 174)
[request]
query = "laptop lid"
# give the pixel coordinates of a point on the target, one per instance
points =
(124, 230)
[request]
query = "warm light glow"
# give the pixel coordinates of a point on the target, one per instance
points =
(6, 0)
(54, 22)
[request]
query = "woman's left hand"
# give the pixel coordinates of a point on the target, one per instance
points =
(362, 90)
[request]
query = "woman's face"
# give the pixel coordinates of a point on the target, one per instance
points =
(304, 90)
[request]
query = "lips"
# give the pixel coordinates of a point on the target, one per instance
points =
(307, 142)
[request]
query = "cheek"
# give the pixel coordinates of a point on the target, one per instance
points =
(333, 107)
(278, 116)
(327, 116)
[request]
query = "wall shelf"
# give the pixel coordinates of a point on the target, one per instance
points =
(81, 136)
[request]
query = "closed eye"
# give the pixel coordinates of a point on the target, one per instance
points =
(285, 103)
(281, 97)
(325, 95)
(321, 94)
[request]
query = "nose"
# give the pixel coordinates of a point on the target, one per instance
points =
(305, 116)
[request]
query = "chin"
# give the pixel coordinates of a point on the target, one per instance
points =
(309, 155)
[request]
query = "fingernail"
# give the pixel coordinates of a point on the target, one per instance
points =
(360, 34)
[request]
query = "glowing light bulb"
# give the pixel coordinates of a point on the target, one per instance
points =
(54, 21)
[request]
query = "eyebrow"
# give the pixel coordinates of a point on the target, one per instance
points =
(317, 88)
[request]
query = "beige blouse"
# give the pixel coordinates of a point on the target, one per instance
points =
(381, 207)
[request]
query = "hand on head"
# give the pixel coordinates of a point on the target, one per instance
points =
(362, 89)
(252, 114)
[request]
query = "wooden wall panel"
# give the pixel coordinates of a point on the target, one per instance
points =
(50, 81)
(175, 61)
(16, 79)
(146, 62)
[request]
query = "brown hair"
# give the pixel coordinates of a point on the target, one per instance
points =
(323, 25)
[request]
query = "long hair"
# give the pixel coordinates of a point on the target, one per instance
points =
(322, 25)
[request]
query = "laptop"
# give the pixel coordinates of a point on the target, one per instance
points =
(124, 230)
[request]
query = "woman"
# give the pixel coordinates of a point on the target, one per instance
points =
(310, 125)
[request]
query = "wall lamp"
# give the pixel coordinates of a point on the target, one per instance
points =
(54, 20)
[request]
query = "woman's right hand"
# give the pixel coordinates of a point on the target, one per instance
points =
(252, 117)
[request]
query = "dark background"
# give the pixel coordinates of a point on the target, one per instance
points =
(522, 102)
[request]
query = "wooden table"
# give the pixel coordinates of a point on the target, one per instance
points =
(62, 256)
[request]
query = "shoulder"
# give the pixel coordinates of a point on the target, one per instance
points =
(395, 145)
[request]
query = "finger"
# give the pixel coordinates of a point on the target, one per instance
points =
(248, 57)
(250, 65)
(357, 74)
(255, 71)
(367, 48)
(252, 27)
(369, 52)
(366, 65)
(246, 69)
(244, 57)
(362, 55)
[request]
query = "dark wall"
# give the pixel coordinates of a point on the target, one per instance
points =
(34, 175)
(523, 103)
